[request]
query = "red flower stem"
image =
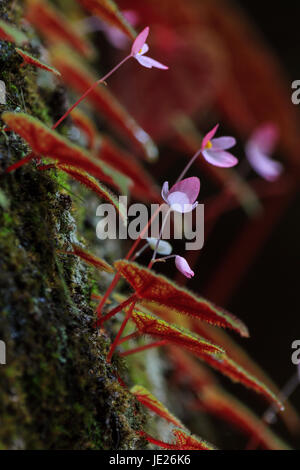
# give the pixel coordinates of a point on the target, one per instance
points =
(22, 162)
(156, 442)
(125, 321)
(115, 310)
(121, 382)
(188, 166)
(133, 335)
(88, 91)
(131, 251)
(85, 94)
(162, 342)
(152, 261)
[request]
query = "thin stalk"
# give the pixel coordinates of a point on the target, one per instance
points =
(22, 162)
(156, 442)
(159, 238)
(116, 341)
(188, 166)
(128, 256)
(88, 91)
(138, 253)
(115, 310)
(162, 342)
(164, 258)
(85, 94)
(269, 415)
(133, 335)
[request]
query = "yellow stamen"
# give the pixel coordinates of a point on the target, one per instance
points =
(208, 145)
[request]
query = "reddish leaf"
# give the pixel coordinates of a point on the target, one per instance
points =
(150, 402)
(228, 367)
(159, 289)
(90, 259)
(11, 34)
(149, 325)
(199, 377)
(76, 75)
(29, 59)
(187, 368)
(216, 401)
(85, 124)
(185, 441)
(182, 441)
(49, 143)
(96, 187)
(247, 99)
(143, 187)
(235, 352)
(52, 24)
(109, 12)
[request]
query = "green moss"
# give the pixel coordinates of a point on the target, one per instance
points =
(56, 391)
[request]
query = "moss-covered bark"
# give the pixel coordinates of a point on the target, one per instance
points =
(56, 390)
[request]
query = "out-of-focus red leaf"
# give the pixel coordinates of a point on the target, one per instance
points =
(249, 241)
(48, 143)
(149, 325)
(91, 183)
(263, 90)
(29, 59)
(12, 34)
(225, 406)
(90, 259)
(235, 352)
(159, 289)
(236, 373)
(152, 403)
(108, 11)
(188, 370)
(52, 24)
(143, 188)
(215, 400)
(196, 63)
(76, 75)
(84, 123)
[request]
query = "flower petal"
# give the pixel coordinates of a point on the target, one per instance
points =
(209, 136)
(140, 41)
(164, 247)
(183, 266)
(149, 63)
(265, 137)
(267, 168)
(165, 191)
(189, 186)
(223, 143)
(179, 202)
(220, 158)
(144, 49)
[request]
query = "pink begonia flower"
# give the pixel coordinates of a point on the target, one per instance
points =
(214, 150)
(182, 196)
(258, 150)
(139, 48)
(183, 266)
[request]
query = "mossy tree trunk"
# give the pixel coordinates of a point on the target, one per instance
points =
(56, 390)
